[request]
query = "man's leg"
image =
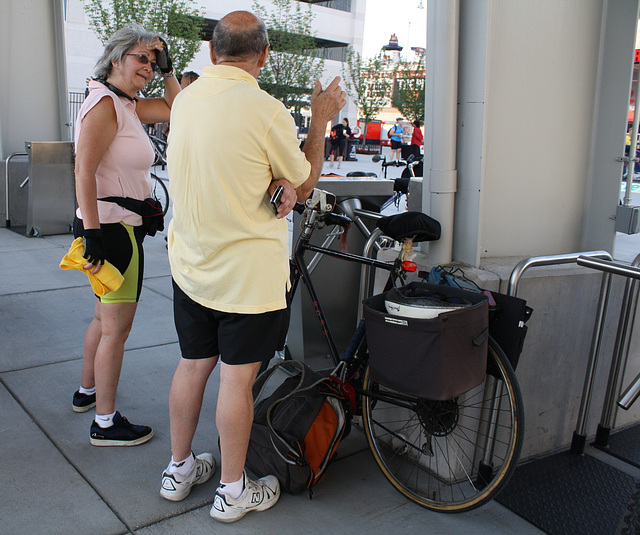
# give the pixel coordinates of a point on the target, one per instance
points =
(238, 495)
(234, 417)
(185, 402)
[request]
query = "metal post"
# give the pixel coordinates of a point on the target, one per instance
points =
(618, 363)
(580, 435)
(366, 280)
(630, 394)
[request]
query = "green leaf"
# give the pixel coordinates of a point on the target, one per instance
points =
(179, 21)
(293, 64)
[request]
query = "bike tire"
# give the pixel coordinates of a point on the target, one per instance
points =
(434, 452)
(160, 192)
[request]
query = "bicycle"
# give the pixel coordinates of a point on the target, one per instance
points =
(158, 143)
(412, 169)
(160, 192)
(447, 456)
(160, 151)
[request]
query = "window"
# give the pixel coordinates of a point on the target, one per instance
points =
(341, 5)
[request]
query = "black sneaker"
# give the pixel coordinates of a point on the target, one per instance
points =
(83, 402)
(121, 433)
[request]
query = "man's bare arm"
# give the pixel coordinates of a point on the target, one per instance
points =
(324, 106)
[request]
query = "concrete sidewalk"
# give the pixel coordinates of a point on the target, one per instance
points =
(54, 482)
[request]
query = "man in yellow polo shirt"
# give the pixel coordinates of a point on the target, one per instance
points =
(230, 146)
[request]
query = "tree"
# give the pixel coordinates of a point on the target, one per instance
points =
(368, 83)
(294, 63)
(408, 94)
(178, 20)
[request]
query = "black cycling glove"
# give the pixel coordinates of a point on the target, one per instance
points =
(163, 59)
(93, 246)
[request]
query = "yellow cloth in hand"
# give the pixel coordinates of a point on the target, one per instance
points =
(108, 279)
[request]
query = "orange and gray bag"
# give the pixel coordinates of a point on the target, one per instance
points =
(296, 429)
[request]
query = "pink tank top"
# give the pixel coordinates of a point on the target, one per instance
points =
(125, 168)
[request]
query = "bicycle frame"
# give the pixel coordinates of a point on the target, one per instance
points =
(300, 271)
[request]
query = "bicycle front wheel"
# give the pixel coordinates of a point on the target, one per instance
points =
(449, 456)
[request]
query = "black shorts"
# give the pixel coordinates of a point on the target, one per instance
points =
(237, 338)
(395, 144)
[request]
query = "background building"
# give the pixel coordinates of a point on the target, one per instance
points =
(336, 24)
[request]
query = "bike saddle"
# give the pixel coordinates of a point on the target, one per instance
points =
(401, 184)
(414, 225)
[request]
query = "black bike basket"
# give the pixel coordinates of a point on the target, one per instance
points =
(437, 358)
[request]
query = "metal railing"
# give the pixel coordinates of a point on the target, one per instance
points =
(75, 101)
(588, 259)
(621, 346)
(7, 223)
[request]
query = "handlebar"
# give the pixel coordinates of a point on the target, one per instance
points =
(320, 213)
(337, 219)
(394, 163)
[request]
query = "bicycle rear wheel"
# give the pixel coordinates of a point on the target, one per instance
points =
(449, 456)
(160, 192)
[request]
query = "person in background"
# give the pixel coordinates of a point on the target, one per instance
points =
(339, 135)
(228, 251)
(417, 139)
(113, 158)
(395, 135)
(188, 78)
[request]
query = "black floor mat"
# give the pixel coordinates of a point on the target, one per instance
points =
(630, 524)
(625, 445)
(566, 494)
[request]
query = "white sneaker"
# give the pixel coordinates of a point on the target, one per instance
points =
(176, 487)
(257, 496)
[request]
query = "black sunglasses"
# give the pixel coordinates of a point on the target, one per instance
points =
(144, 60)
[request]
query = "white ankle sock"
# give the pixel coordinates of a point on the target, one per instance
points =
(87, 391)
(105, 420)
(233, 490)
(183, 467)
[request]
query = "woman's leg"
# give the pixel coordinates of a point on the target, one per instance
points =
(115, 321)
(91, 341)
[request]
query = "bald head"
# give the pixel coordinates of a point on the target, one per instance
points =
(239, 36)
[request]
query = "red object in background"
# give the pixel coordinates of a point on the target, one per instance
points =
(636, 59)
(373, 130)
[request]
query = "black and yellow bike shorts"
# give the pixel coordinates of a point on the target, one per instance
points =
(123, 249)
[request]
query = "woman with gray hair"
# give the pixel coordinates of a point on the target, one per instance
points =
(113, 159)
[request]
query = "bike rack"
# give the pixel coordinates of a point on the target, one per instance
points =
(6, 185)
(621, 347)
(601, 261)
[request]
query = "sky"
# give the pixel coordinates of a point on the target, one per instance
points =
(402, 17)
